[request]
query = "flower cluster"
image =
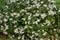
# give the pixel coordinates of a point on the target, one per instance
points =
(29, 19)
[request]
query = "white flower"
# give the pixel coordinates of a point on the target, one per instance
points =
(35, 22)
(42, 24)
(27, 13)
(35, 1)
(42, 30)
(29, 17)
(48, 22)
(31, 36)
(42, 2)
(51, 12)
(48, 39)
(11, 19)
(30, 27)
(37, 14)
(2, 27)
(17, 15)
(50, 6)
(38, 20)
(33, 32)
(17, 30)
(38, 30)
(19, 37)
(41, 39)
(12, 1)
(36, 34)
(36, 38)
(6, 13)
(25, 27)
(5, 32)
(1, 21)
(44, 34)
(1, 15)
(14, 21)
(59, 10)
(22, 10)
(43, 15)
(6, 27)
(54, 29)
(7, 16)
(52, 1)
(23, 37)
(12, 35)
(15, 26)
(23, 19)
(33, 5)
(6, 6)
(45, 5)
(21, 31)
(28, 7)
(38, 5)
(27, 2)
(28, 22)
(5, 20)
(54, 6)
(14, 13)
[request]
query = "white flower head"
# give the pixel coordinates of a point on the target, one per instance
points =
(48, 22)
(1, 15)
(41, 39)
(14, 21)
(38, 20)
(11, 19)
(37, 14)
(59, 10)
(19, 37)
(23, 37)
(44, 34)
(12, 1)
(2, 27)
(17, 30)
(43, 15)
(45, 5)
(51, 12)
(1, 21)
(6, 27)
(52, 1)
(5, 20)
(38, 5)
(42, 2)
(5, 32)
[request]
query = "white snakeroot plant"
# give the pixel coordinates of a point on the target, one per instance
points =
(28, 19)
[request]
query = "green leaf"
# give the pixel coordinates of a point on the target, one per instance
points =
(58, 1)
(2, 3)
